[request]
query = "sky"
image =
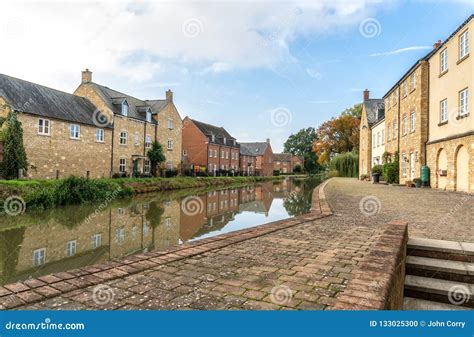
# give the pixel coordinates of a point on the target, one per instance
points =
(261, 69)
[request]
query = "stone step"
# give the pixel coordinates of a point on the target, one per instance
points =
(410, 303)
(437, 290)
(440, 269)
(441, 249)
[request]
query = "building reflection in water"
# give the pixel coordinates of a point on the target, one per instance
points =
(75, 236)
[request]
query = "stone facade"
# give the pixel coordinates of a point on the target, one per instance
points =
(170, 133)
(378, 142)
(365, 145)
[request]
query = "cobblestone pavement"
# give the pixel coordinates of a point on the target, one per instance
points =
(301, 267)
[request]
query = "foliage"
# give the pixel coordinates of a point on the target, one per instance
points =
(354, 111)
(154, 213)
(335, 136)
(333, 173)
(171, 173)
(364, 177)
(377, 169)
(347, 164)
(301, 144)
(297, 169)
(156, 156)
(391, 171)
(386, 157)
(14, 155)
(276, 173)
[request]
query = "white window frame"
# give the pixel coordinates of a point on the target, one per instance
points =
(412, 121)
(125, 108)
(146, 166)
(170, 123)
(395, 129)
(383, 137)
(464, 102)
(148, 116)
(443, 110)
(120, 235)
(170, 144)
(404, 165)
(123, 138)
(122, 164)
(96, 240)
(44, 127)
(405, 89)
(136, 139)
(147, 141)
(71, 248)
(443, 60)
(413, 81)
(99, 135)
(464, 44)
(405, 125)
(39, 257)
(74, 131)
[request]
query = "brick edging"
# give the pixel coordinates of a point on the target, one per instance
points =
(48, 286)
(378, 283)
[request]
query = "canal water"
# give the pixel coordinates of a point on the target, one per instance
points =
(41, 243)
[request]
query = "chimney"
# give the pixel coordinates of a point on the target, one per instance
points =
(437, 44)
(268, 140)
(169, 96)
(86, 76)
(366, 94)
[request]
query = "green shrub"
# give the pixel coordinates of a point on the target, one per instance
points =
(297, 169)
(276, 173)
(333, 173)
(347, 164)
(377, 169)
(391, 173)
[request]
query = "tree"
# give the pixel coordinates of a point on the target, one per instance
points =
(156, 156)
(300, 144)
(14, 155)
(354, 111)
(335, 136)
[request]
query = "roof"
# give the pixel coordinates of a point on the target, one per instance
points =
(245, 151)
(137, 108)
(218, 132)
(256, 149)
(375, 110)
(283, 156)
(32, 98)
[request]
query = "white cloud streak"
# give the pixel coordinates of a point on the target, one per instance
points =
(401, 50)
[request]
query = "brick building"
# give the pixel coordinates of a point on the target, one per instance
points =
(247, 162)
(286, 162)
(264, 156)
(209, 148)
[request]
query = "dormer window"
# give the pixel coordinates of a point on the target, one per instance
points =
(213, 138)
(148, 115)
(124, 108)
(225, 140)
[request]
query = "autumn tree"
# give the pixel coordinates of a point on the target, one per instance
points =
(300, 144)
(335, 136)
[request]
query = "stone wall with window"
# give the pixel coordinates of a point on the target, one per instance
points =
(51, 152)
(169, 131)
(392, 120)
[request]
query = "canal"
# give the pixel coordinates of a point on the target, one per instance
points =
(41, 243)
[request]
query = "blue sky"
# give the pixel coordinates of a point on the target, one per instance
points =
(261, 69)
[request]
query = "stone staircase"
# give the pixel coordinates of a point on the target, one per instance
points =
(439, 275)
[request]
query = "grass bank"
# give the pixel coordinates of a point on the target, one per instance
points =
(45, 194)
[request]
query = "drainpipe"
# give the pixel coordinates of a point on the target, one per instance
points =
(427, 115)
(112, 149)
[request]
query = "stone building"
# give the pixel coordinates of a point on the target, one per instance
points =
(378, 141)
(372, 112)
(59, 133)
(450, 147)
(209, 148)
(136, 123)
(264, 156)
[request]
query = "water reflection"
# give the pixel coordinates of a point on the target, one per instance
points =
(65, 238)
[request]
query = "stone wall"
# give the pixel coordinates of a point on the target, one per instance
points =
(164, 133)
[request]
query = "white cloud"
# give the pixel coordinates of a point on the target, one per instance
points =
(51, 42)
(401, 50)
(314, 73)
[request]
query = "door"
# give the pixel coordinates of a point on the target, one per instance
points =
(462, 170)
(135, 167)
(412, 166)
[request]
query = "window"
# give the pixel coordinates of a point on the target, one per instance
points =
(170, 144)
(463, 45)
(124, 108)
(146, 166)
(378, 138)
(404, 165)
(185, 153)
(463, 102)
(210, 153)
(395, 129)
(71, 248)
(373, 141)
(443, 60)
(122, 165)
(147, 141)
(96, 241)
(226, 155)
(148, 116)
(123, 138)
(170, 123)
(405, 89)
(222, 155)
(443, 107)
(44, 126)
(39, 257)
(412, 121)
(99, 135)
(213, 138)
(74, 131)
(225, 140)
(136, 139)
(405, 125)
(383, 137)
(120, 235)
(413, 81)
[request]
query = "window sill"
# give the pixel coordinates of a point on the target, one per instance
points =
(462, 116)
(74, 138)
(442, 123)
(44, 134)
(462, 59)
(443, 73)
(100, 141)
(123, 144)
